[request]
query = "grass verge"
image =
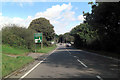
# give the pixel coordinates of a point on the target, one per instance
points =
(6, 49)
(11, 63)
(46, 49)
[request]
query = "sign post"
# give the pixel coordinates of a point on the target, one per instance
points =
(38, 37)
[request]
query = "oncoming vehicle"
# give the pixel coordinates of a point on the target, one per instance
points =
(68, 44)
(60, 43)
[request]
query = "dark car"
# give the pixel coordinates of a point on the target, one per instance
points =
(67, 45)
(60, 43)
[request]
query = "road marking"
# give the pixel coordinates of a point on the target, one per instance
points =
(34, 67)
(31, 70)
(75, 56)
(79, 60)
(99, 77)
(68, 51)
(82, 63)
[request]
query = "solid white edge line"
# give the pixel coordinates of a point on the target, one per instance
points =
(30, 70)
(35, 66)
(82, 63)
(99, 77)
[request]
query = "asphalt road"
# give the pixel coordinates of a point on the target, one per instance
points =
(76, 64)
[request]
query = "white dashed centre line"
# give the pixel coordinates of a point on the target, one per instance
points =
(75, 56)
(99, 77)
(78, 60)
(82, 63)
(68, 51)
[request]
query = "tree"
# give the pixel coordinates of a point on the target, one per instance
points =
(84, 35)
(43, 25)
(61, 38)
(105, 18)
(56, 38)
(68, 38)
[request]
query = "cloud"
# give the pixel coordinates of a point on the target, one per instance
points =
(0, 14)
(81, 18)
(21, 4)
(60, 17)
(15, 20)
(55, 12)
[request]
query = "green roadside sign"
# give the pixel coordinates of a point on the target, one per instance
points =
(38, 37)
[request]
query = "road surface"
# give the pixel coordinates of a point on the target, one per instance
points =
(67, 63)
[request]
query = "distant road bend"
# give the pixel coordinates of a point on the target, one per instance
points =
(67, 62)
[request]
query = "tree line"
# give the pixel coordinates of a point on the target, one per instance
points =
(100, 29)
(17, 36)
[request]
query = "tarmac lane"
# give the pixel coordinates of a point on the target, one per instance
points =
(74, 64)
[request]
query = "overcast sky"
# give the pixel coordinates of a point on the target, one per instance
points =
(62, 15)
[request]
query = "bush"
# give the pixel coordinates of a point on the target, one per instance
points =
(18, 37)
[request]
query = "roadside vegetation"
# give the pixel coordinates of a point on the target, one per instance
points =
(46, 49)
(13, 59)
(99, 31)
(6, 49)
(43, 25)
(17, 42)
(11, 64)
